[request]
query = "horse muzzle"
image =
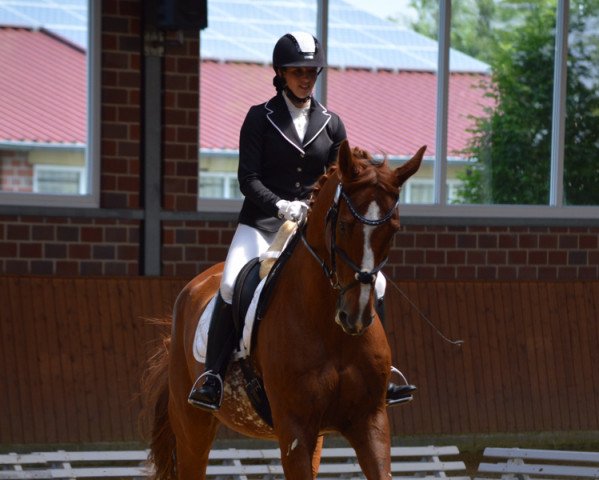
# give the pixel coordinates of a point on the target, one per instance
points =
(352, 324)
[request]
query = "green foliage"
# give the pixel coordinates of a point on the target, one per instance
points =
(511, 145)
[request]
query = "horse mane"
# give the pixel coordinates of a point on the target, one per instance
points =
(368, 173)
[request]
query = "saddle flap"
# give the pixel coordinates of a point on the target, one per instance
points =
(243, 292)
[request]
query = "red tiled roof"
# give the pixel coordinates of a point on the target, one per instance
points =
(42, 88)
(42, 99)
(383, 111)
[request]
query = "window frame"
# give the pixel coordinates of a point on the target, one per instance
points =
(91, 199)
(555, 209)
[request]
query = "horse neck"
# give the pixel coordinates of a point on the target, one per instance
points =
(305, 272)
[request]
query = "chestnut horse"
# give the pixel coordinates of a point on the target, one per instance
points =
(320, 349)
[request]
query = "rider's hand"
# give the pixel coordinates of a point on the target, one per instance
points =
(295, 211)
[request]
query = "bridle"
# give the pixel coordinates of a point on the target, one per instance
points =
(361, 276)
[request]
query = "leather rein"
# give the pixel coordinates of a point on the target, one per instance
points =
(361, 276)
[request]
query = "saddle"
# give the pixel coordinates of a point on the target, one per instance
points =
(245, 285)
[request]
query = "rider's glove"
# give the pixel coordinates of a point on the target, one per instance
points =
(295, 211)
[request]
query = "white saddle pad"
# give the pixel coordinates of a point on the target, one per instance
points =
(201, 336)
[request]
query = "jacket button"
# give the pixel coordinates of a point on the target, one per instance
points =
(299, 169)
(297, 184)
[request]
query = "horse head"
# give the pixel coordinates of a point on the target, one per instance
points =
(357, 200)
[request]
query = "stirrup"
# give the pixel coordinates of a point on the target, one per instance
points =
(408, 388)
(201, 380)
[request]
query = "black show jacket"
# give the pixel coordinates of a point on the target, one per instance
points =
(274, 164)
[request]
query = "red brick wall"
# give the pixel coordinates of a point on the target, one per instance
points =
(16, 173)
(68, 246)
(121, 104)
(430, 252)
(181, 117)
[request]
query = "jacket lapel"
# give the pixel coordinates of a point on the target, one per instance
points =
(319, 117)
(278, 115)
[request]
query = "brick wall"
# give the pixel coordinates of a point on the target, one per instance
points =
(430, 252)
(68, 246)
(121, 104)
(16, 173)
(181, 117)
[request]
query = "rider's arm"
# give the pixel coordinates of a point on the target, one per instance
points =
(249, 172)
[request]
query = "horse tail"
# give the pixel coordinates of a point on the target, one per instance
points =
(155, 391)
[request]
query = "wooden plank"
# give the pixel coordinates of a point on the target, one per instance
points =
(586, 397)
(442, 411)
(49, 354)
(428, 395)
(496, 363)
(570, 344)
(553, 402)
(10, 402)
(466, 332)
(458, 383)
(99, 348)
(479, 365)
(592, 313)
(70, 358)
(120, 339)
(531, 357)
(487, 373)
(542, 454)
(520, 366)
(33, 408)
(90, 362)
(422, 462)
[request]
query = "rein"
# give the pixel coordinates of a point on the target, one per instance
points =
(362, 276)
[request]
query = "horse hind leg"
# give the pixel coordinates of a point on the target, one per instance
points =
(195, 431)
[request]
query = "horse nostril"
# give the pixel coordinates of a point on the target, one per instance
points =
(343, 317)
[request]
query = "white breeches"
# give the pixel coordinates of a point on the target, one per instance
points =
(248, 243)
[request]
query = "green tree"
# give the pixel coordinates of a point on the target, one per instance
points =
(511, 146)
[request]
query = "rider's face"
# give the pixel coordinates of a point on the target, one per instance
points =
(300, 80)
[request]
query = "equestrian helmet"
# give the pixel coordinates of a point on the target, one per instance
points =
(298, 49)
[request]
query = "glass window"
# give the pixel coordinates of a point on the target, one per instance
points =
(46, 136)
(509, 139)
(235, 73)
(490, 137)
(581, 155)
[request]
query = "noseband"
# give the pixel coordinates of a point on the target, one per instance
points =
(361, 276)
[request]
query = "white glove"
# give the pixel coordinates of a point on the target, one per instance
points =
(295, 211)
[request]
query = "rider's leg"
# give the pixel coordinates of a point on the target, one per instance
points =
(396, 394)
(221, 343)
(247, 243)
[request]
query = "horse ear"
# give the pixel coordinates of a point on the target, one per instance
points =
(409, 168)
(346, 161)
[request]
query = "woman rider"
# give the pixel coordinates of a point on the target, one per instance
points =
(285, 145)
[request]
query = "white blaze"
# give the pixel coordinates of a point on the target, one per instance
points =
(367, 264)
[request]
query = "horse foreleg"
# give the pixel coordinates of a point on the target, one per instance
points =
(371, 440)
(316, 456)
(298, 446)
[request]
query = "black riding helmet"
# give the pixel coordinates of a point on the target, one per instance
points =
(296, 49)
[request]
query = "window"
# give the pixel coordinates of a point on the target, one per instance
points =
(494, 145)
(48, 156)
(59, 179)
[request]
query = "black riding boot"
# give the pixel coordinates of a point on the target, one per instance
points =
(221, 343)
(396, 394)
